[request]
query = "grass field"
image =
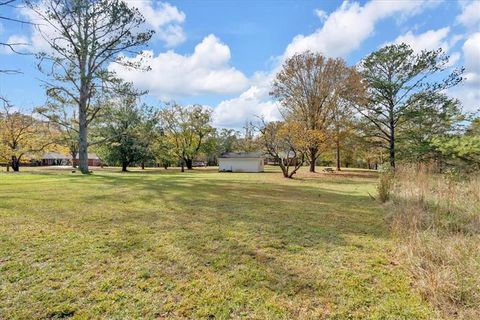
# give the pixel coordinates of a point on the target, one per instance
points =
(198, 245)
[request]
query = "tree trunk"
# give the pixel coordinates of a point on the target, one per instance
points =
(8, 167)
(83, 144)
(183, 165)
(284, 169)
(189, 163)
(143, 165)
(124, 166)
(82, 116)
(313, 158)
(15, 164)
(338, 155)
(392, 146)
(74, 159)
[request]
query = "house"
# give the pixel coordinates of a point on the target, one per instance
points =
(55, 159)
(93, 160)
(59, 159)
(241, 162)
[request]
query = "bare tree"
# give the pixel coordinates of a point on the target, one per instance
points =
(84, 38)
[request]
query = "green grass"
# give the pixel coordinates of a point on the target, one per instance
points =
(198, 245)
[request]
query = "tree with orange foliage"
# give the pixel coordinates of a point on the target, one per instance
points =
(306, 87)
(22, 135)
(288, 143)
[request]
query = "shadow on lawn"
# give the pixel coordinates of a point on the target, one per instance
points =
(255, 231)
(223, 224)
(281, 212)
(304, 214)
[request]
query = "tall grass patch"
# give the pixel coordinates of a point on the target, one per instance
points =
(436, 221)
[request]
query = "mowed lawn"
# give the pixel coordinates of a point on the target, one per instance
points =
(198, 245)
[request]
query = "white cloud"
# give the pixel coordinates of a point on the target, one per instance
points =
(469, 91)
(36, 40)
(453, 59)
(254, 102)
(347, 27)
(343, 31)
(233, 113)
(470, 16)
(172, 75)
(322, 15)
(430, 40)
(471, 51)
(468, 95)
(164, 18)
(18, 43)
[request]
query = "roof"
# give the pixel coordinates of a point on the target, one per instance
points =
(55, 156)
(241, 155)
(93, 156)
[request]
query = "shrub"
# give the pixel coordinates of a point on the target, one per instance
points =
(385, 184)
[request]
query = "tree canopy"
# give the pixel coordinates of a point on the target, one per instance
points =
(398, 80)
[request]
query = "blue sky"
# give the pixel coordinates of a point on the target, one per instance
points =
(224, 53)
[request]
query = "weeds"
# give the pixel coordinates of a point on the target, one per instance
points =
(436, 219)
(385, 184)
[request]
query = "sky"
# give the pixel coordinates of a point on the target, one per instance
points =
(224, 54)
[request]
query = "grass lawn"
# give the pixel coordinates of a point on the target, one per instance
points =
(198, 245)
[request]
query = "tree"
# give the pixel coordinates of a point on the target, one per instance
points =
(148, 133)
(286, 143)
(129, 131)
(248, 142)
(461, 149)
(306, 88)
(85, 37)
(398, 79)
(341, 125)
(228, 140)
(22, 135)
(442, 116)
(164, 151)
(187, 129)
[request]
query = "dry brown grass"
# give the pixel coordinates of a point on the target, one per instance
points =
(436, 219)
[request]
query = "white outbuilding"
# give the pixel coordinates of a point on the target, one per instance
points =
(241, 162)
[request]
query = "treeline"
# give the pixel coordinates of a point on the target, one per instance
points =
(390, 107)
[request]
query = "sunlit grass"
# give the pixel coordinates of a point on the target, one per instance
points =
(202, 244)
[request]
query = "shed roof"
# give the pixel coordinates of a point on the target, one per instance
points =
(242, 155)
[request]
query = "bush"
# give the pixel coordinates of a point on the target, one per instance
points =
(385, 184)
